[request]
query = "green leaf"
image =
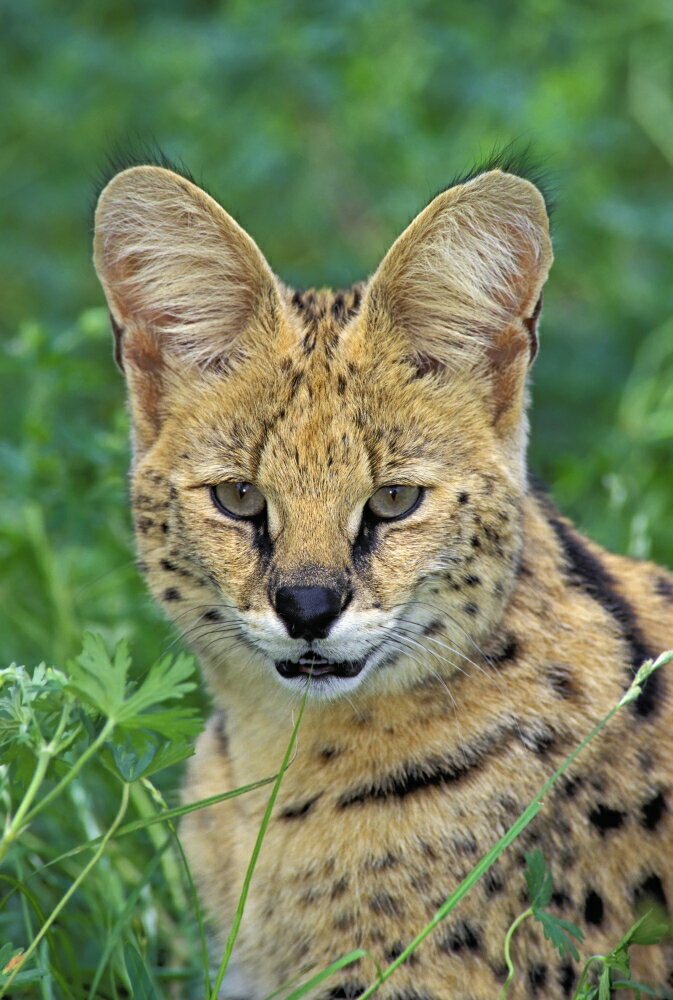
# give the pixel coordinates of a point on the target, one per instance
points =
(171, 722)
(559, 932)
(98, 678)
(650, 929)
(166, 680)
(604, 984)
(538, 879)
(142, 986)
(140, 753)
(659, 993)
(352, 956)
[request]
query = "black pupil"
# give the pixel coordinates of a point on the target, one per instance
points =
(242, 489)
(392, 493)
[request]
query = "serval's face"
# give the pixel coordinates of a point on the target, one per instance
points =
(325, 485)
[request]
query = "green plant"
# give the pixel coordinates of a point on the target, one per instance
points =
(56, 727)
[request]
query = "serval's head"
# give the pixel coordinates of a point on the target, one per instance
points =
(326, 484)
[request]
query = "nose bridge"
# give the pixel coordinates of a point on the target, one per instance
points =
(312, 548)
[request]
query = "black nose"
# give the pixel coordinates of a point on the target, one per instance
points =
(308, 612)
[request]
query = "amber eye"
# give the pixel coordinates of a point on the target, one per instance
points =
(238, 499)
(394, 501)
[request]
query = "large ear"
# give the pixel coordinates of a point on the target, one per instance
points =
(183, 282)
(463, 282)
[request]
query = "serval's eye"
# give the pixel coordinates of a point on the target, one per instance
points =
(238, 499)
(391, 502)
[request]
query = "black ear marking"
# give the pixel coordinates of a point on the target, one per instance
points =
(530, 322)
(118, 334)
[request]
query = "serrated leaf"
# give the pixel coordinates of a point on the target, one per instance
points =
(99, 679)
(141, 753)
(538, 879)
(559, 932)
(169, 753)
(171, 722)
(165, 681)
(134, 755)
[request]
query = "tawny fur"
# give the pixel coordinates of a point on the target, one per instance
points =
(506, 634)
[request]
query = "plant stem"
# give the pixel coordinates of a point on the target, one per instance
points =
(105, 732)
(508, 958)
(524, 819)
(80, 878)
(594, 958)
(255, 853)
(22, 815)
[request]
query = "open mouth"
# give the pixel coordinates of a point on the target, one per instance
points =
(317, 666)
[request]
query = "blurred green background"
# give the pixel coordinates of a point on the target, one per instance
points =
(323, 127)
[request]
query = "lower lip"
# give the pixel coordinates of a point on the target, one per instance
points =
(288, 669)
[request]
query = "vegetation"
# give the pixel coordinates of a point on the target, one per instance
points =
(323, 128)
(64, 735)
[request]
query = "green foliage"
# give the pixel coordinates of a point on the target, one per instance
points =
(323, 128)
(615, 967)
(58, 734)
(540, 884)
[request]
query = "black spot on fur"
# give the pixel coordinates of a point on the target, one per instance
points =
(537, 976)
(386, 904)
(505, 651)
(395, 950)
(380, 863)
(411, 994)
(664, 587)
(144, 523)
(566, 978)
(463, 497)
(474, 542)
(339, 887)
(341, 385)
(652, 811)
(586, 572)
(569, 787)
(539, 738)
(604, 818)
(561, 680)
(344, 991)
(328, 753)
(172, 594)
(219, 724)
(300, 809)
(471, 609)
(471, 580)
(213, 615)
(593, 908)
(650, 890)
(165, 527)
(434, 627)
(433, 772)
(493, 881)
(462, 936)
